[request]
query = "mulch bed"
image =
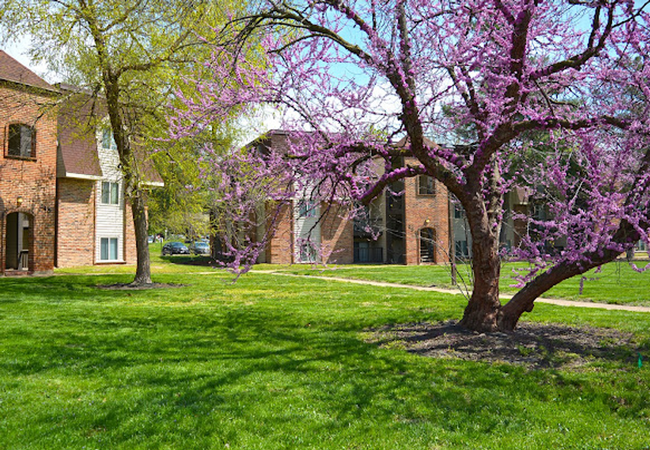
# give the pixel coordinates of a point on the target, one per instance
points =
(533, 345)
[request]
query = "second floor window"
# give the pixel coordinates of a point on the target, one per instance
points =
(22, 141)
(110, 193)
(306, 208)
(107, 139)
(426, 185)
(459, 212)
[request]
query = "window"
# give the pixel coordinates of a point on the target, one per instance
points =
(461, 249)
(306, 208)
(459, 212)
(22, 141)
(108, 249)
(307, 252)
(426, 185)
(108, 141)
(110, 193)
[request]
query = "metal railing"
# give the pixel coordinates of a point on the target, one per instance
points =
(23, 260)
(369, 255)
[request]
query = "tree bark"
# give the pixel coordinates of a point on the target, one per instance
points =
(131, 176)
(143, 264)
(481, 313)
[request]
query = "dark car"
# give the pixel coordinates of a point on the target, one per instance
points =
(200, 248)
(175, 248)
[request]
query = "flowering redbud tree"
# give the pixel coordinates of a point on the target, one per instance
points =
(552, 97)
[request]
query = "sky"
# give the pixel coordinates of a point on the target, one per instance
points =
(18, 51)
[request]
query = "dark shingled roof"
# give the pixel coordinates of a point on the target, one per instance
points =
(273, 140)
(77, 138)
(12, 70)
(78, 115)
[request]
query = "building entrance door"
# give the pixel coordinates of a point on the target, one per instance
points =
(18, 241)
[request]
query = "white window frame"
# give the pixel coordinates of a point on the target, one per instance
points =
(307, 253)
(108, 141)
(307, 208)
(113, 193)
(109, 241)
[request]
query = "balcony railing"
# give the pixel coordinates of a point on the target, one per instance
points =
(369, 228)
(369, 255)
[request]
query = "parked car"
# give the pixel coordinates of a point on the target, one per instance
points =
(175, 248)
(200, 248)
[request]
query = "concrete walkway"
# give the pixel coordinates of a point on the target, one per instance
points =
(552, 301)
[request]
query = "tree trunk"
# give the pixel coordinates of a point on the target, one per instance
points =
(481, 313)
(143, 264)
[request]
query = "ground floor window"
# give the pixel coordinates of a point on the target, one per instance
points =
(307, 252)
(462, 250)
(108, 249)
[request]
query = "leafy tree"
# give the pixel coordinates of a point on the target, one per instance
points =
(503, 72)
(128, 54)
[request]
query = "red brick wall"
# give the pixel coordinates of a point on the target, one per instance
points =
(76, 222)
(280, 247)
(418, 210)
(32, 179)
(337, 236)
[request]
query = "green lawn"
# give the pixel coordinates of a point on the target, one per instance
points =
(616, 283)
(275, 363)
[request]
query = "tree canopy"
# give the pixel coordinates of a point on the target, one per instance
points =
(354, 77)
(127, 55)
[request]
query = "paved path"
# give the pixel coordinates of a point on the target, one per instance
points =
(552, 301)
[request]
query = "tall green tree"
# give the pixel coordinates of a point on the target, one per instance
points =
(128, 53)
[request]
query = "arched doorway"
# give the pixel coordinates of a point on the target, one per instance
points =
(427, 245)
(18, 241)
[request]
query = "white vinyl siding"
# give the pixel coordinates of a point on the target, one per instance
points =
(109, 218)
(307, 231)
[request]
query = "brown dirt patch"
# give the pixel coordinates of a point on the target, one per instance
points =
(138, 287)
(533, 345)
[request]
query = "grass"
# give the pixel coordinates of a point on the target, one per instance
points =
(616, 283)
(275, 363)
(159, 264)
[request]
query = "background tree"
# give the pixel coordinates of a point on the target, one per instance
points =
(127, 53)
(356, 76)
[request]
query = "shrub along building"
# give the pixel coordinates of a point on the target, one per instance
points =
(62, 201)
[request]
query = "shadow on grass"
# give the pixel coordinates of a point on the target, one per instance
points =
(83, 367)
(261, 373)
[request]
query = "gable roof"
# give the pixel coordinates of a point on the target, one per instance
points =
(77, 139)
(277, 141)
(14, 72)
(80, 115)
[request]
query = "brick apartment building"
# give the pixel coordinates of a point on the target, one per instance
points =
(409, 228)
(28, 138)
(94, 220)
(62, 197)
